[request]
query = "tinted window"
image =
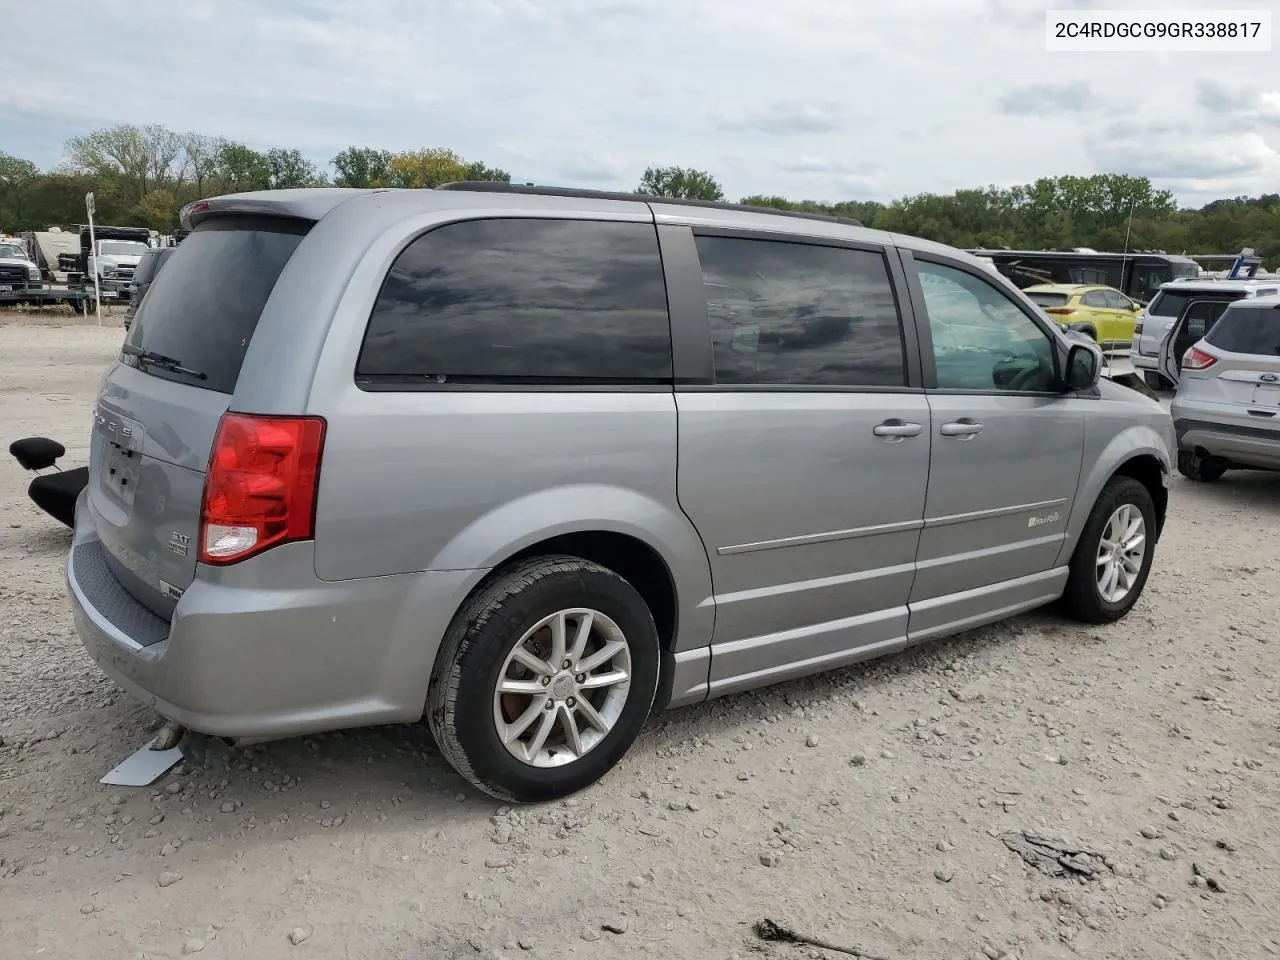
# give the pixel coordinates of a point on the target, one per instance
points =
(1095, 298)
(203, 307)
(796, 313)
(981, 339)
(516, 301)
(146, 267)
(1202, 315)
(1170, 304)
(1145, 280)
(1117, 301)
(1094, 273)
(1048, 299)
(1247, 329)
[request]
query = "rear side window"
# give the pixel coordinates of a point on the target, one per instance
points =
(800, 314)
(1048, 299)
(522, 301)
(146, 267)
(1247, 329)
(201, 310)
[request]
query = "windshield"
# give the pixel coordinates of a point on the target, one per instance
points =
(1247, 329)
(1181, 270)
(12, 252)
(122, 248)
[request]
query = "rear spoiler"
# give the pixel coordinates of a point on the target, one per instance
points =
(306, 203)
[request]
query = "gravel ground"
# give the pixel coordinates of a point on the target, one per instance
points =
(863, 807)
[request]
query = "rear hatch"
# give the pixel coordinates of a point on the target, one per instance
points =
(1246, 341)
(159, 407)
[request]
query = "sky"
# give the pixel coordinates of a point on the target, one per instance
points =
(820, 99)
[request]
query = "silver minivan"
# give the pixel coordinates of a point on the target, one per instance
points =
(532, 463)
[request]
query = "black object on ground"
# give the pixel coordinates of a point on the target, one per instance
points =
(36, 453)
(767, 929)
(54, 493)
(1056, 859)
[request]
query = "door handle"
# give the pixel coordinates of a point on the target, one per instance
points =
(963, 428)
(897, 430)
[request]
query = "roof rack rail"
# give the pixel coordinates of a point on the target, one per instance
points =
(498, 186)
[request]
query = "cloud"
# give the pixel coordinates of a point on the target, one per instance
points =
(1240, 102)
(809, 98)
(1180, 153)
(783, 118)
(1043, 98)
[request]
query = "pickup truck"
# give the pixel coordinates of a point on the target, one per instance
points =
(19, 275)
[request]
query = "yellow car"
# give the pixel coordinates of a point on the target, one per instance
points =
(1106, 314)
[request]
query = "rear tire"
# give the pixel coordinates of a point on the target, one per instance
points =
(1193, 466)
(491, 736)
(1108, 547)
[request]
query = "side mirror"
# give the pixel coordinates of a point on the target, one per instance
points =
(1083, 367)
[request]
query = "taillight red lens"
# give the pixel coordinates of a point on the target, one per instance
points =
(1196, 359)
(261, 487)
(1059, 311)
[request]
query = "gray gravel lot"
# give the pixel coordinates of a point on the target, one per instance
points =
(863, 807)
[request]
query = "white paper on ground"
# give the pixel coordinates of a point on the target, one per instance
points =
(144, 767)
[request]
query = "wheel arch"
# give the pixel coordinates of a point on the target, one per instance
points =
(652, 546)
(1138, 452)
(1147, 469)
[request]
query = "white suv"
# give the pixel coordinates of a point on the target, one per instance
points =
(1167, 305)
(1227, 408)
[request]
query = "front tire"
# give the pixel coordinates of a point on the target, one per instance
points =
(1203, 469)
(544, 679)
(1113, 557)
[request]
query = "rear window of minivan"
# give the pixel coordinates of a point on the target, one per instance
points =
(1247, 329)
(204, 306)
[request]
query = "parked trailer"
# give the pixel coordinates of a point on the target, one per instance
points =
(40, 294)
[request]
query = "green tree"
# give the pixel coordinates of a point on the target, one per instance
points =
(158, 210)
(240, 168)
(200, 163)
(16, 176)
(119, 152)
(362, 167)
(683, 183)
(479, 171)
(289, 168)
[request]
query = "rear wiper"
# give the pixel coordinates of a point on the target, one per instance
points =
(152, 359)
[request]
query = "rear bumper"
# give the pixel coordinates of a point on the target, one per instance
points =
(268, 650)
(1246, 444)
(1142, 361)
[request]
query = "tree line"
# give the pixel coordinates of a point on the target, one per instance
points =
(144, 175)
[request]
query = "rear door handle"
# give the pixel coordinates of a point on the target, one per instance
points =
(965, 428)
(897, 430)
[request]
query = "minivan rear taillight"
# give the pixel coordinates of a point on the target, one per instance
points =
(261, 487)
(1196, 359)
